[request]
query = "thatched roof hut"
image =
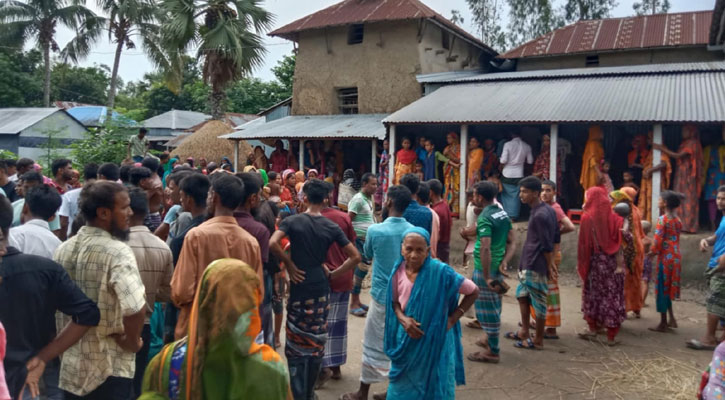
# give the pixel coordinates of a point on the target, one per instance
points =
(205, 142)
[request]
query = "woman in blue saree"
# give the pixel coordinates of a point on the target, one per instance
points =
(423, 339)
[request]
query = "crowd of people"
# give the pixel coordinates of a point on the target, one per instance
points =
(157, 279)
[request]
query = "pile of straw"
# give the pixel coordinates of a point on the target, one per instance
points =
(653, 376)
(205, 142)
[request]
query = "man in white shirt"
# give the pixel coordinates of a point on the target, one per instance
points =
(70, 208)
(515, 154)
(34, 236)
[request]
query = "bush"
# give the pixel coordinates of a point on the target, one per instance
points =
(107, 144)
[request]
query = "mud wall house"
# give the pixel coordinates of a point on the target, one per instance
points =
(25, 131)
(362, 57)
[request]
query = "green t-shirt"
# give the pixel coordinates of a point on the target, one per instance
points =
(493, 222)
(362, 206)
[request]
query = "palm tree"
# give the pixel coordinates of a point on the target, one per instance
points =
(128, 19)
(21, 22)
(227, 38)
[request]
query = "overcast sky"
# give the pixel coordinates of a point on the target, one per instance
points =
(134, 63)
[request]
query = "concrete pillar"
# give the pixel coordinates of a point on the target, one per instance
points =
(236, 155)
(657, 176)
(391, 163)
(302, 155)
(374, 155)
(464, 164)
(553, 153)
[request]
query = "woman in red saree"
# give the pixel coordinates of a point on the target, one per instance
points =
(404, 160)
(688, 176)
(599, 266)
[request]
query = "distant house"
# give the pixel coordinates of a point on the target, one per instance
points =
(95, 116)
(25, 131)
(166, 126)
(613, 42)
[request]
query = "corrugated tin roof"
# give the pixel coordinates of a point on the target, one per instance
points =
(675, 97)
(647, 69)
(358, 126)
(96, 116)
(14, 120)
(639, 32)
(175, 119)
(365, 11)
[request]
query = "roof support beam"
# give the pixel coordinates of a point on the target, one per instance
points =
(657, 175)
(374, 147)
(553, 153)
(463, 175)
(302, 155)
(391, 162)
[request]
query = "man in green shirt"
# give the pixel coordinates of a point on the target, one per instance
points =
(138, 146)
(361, 209)
(493, 251)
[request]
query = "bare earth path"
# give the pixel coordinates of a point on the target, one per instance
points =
(647, 365)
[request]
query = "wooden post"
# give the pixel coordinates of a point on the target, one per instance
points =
(391, 162)
(236, 155)
(553, 147)
(464, 164)
(373, 166)
(657, 176)
(302, 154)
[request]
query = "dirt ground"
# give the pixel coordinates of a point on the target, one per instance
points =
(646, 365)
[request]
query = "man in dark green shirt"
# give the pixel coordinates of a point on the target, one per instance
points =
(493, 251)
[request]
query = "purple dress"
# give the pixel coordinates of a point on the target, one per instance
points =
(603, 292)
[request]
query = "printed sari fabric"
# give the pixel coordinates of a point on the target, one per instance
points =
(404, 163)
(593, 156)
(634, 251)
(715, 167)
(666, 246)
(475, 160)
(603, 293)
(430, 367)
(645, 191)
(452, 176)
(688, 181)
(219, 358)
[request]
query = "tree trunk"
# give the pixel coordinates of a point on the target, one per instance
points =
(46, 78)
(216, 102)
(114, 81)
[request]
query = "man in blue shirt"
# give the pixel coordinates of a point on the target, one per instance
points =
(382, 244)
(416, 214)
(716, 273)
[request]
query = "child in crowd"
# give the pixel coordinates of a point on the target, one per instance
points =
(666, 247)
(628, 179)
(404, 160)
(419, 170)
(647, 271)
(606, 180)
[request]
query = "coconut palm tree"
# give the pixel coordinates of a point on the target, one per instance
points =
(226, 34)
(129, 20)
(21, 22)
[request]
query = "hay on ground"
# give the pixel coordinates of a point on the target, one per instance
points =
(205, 142)
(654, 376)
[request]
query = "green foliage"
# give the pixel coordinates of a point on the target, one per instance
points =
(651, 7)
(107, 144)
(51, 149)
(457, 17)
(251, 96)
(529, 19)
(7, 155)
(284, 71)
(21, 78)
(577, 10)
(487, 20)
(80, 84)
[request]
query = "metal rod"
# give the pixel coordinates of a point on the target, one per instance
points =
(374, 156)
(464, 162)
(553, 153)
(391, 162)
(302, 154)
(657, 176)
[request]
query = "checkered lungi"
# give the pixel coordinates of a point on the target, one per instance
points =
(716, 295)
(336, 346)
(488, 309)
(535, 287)
(375, 363)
